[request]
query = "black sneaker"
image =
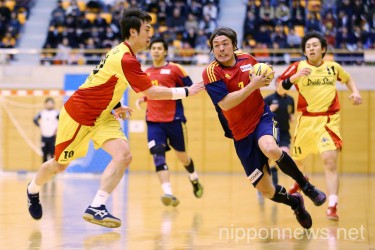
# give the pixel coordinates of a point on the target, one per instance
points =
(303, 217)
(197, 188)
(100, 216)
(317, 196)
(35, 208)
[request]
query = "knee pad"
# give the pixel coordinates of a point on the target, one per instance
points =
(158, 153)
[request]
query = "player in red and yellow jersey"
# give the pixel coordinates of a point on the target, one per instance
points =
(247, 119)
(166, 121)
(318, 129)
(87, 115)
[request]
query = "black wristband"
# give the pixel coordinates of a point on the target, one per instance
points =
(186, 92)
(287, 84)
(117, 105)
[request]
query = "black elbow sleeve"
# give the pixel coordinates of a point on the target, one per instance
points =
(287, 84)
(117, 105)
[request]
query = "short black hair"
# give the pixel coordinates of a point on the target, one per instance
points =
(132, 18)
(224, 31)
(314, 34)
(159, 40)
(49, 99)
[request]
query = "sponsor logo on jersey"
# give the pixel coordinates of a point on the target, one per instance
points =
(246, 67)
(165, 71)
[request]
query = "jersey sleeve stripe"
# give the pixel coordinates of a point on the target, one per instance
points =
(210, 72)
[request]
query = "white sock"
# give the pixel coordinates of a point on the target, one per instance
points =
(167, 188)
(193, 176)
(101, 198)
(332, 200)
(33, 188)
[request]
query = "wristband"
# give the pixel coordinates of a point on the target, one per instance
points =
(287, 84)
(178, 93)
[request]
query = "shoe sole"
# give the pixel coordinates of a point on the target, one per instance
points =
(108, 222)
(302, 204)
(199, 192)
(168, 201)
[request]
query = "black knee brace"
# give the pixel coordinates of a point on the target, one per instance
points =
(158, 153)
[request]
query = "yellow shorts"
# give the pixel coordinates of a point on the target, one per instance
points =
(316, 134)
(72, 139)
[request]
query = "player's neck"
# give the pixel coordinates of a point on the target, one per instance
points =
(159, 64)
(315, 63)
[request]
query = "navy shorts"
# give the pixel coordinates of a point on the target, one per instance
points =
(248, 151)
(167, 134)
(284, 140)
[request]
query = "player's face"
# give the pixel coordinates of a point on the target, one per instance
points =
(50, 105)
(144, 35)
(223, 51)
(314, 51)
(158, 52)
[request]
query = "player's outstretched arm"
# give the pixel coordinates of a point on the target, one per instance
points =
(164, 93)
(355, 96)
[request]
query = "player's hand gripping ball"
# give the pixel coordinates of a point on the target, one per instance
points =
(262, 68)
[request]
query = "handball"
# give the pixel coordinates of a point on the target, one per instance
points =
(262, 69)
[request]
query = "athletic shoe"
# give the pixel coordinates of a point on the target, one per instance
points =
(100, 216)
(35, 208)
(332, 213)
(295, 187)
(317, 196)
(197, 188)
(303, 217)
(170, 200)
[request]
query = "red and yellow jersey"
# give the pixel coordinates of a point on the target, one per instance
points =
(171, 75)
(317, 91)
(241, 120)
(106, 84)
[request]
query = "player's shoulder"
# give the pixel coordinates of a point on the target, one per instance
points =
(212, 65)
(245, 56)
(331, 63)
(175, 66)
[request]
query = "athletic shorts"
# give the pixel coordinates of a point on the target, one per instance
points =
(248, 151)
(167, 134)
(284, 139)
(316, 134)
(72, 140)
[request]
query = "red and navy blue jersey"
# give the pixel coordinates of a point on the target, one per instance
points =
(171, 75)
(241, 120)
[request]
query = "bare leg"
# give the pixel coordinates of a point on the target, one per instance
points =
(48, 170)
(121, 157)
(183, 157)
(330, 167)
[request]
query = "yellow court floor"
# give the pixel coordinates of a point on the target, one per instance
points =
(228, 216)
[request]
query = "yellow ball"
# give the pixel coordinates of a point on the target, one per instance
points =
(262, 68)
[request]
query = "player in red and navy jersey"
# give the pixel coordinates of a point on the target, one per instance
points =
(87, 115)
(247, 119)
(166, 121)
(318, 128)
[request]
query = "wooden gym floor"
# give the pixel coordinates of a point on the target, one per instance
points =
(228, 216)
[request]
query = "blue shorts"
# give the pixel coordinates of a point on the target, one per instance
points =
(284, 140)
(167, 134)
(248, 151)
